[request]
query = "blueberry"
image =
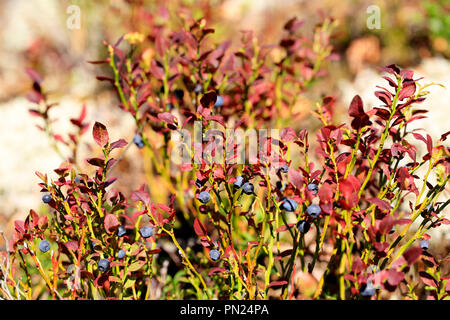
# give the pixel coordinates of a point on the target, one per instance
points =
(214, 254)
(77, 180)
(313, 187)
(137, 140)
(103, 265)
(121, 231)
(179, 94)
(198, 88)
(368, 290)
(46, 198)
(219, 102)
(146, 232)
(280, 186)
(284, 168)
(248, 188)
(121, 254)
(44, 246)
(424, 244)
(204, 197)
(289, 205)
(239, 181)
(200, 183)
(313, 210)
(303, 226)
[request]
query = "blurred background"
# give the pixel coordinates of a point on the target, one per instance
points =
(414, 34)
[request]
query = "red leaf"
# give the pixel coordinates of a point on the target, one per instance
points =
(216, 271)
(199, 229)
(395, 277)
(100, 134)
(428, 279)
(296, 178)
(118, 144)
(288, 134)
(356, 107)
(111, 223)
(381, 204)
(412, 255)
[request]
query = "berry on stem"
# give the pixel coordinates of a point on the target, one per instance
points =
(103, 265)
(44, 246)
(121, 254)
(248, 188)
(137, 140)
(313, 188)
(424, 244)
(313, 210)
(204, 197)
(146, 232)
(288, 205)
(303, 226)
(47, 198)
(239, 181)
(219, 102)
(121, 231)
(214, 254)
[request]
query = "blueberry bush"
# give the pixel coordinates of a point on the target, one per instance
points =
(356, 201)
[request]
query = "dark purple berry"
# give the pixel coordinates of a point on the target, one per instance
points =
(200, 183)
(198, 88)
(368, 290)
(204, 197)
(288, 205)
(239, 181)
(103, 265)
(121, 254)
(214, 254)
(248, 188)
(313, 188)
(121, 231)
(137, 140)
(303, 226)
(146, 232)
(424, 244)
(219, 102)
(313, 210)
(44, 246)
(284, 168)
(46, 198)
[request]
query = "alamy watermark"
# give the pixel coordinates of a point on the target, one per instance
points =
(374, 19)
(73, 22)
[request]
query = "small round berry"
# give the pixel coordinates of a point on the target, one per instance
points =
(280, 186)
(137, 140)
(103, 265)
(368, 290)
(77, 180)
(424, 244)
(179, 94)
(284, 168)
(46, 198)
(204, 197)
(239, 181)
(313, 188)
(303, 226)
(214, 254)
(289, 205)
(44, 246)
(313, 210)
(198, 88)
(219, 102)
(200, 183)
(121, 254)
(392, 230)
(248, 188)
(146, 232)
(121, 231)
